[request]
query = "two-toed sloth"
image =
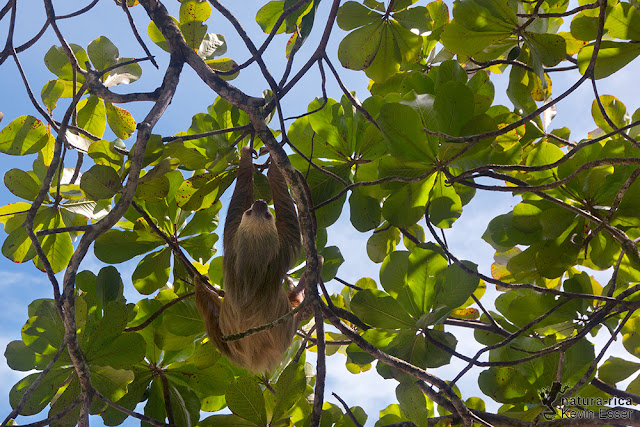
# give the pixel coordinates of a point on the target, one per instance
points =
(258, 252)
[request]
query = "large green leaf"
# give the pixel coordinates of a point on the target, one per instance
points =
(245, 399)
(192, 10)
(379, 309)
(117, 246)
(406, 206)
(91, 115)
(202, 191)
(24, 135)
(366, 212)
(57, 61)
(100, 182)
(414, 404)
(22, 184)
(402, 127)
(120, 121)
(445, 204)
(612, 56)
(289, 389)
(616, 369)
(103, 53)
(623, 22)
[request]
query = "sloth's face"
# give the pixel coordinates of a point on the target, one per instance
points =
(257, 212)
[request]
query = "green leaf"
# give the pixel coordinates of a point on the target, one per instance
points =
(612, 56)
(268, 15)
(402, 127)
(414, 404)
(193, 10)
(156, 36)
(19, 356)
(202, 191)
(465, 41)
(382, 243)
(436, 356)
(193, 33)
(43, 393)
(100, 182)
(185, 405)
(352, 15)
(289, 389)
(424, 274)
(24, 135)
(57, 247)
(57, 62)
(225, 420)
(102, 53)
(203, 221)
(18, 247)
(123, 352)
(152, 272)
(51, 92)
(103, 153)
(457, 286)
(506, 384)
(380, 310)
(116, 246)
(615, 110)
(91, 115)
(454, 105)
(550, 49)
(358, 49)
(183, 319)
(108, 285)
(388, 55)
(365, 211)
(111, 383)
(154, 189)
(616, 369)
(200, 247)
(245, 399)
(623, 22)
(445, 204)
(222, 64)
(22, 184)
(120, 121)
(630, 336)
(406, 206)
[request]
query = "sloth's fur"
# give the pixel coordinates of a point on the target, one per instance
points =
(258, 252)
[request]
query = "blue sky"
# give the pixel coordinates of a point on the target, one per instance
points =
(22, 283)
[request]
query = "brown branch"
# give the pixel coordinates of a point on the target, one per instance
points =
(243, 128)
(614, 391)
(348, 410)
(321, 368)
(560, 14)
(141, 42)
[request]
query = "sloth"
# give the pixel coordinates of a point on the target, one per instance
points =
(258, 252)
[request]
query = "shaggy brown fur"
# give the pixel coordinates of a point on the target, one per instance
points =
(258, 251)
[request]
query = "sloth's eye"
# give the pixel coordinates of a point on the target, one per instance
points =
(248, 212)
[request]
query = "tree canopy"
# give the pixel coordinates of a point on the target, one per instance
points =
(405, 161)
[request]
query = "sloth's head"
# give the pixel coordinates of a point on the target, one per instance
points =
(257, 236)
(258, 212)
